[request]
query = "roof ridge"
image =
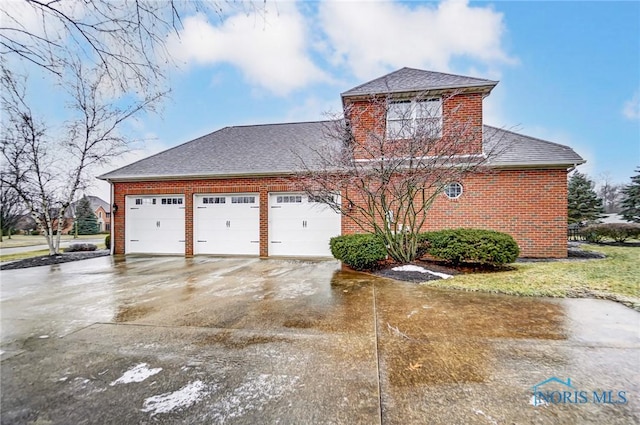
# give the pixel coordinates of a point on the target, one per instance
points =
(378, 78)
(277, 123)
(452, 75)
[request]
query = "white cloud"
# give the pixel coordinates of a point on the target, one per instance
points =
(272, 52)
(631, 108)
(314, 108)
(372, 38)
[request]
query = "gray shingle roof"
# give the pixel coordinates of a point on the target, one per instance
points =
(412, 80)
(231, 151)
(279, 148)
(517, 150)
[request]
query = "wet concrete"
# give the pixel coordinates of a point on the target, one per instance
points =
(244, 341)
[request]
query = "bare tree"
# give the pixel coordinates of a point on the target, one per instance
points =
(10, 209)
(46, 168)
(610, 193)
(126, 38)
(385, 178)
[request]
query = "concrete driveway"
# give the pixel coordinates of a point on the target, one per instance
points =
(246, 341)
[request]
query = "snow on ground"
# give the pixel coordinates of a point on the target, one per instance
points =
(253, 394)
(414, 268)
(184, 397)
(137, 373)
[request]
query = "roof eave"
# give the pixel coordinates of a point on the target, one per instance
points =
(485, 88)
(138, 178)
(538, 165)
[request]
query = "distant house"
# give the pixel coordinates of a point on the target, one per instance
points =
(100, 208)
(237, 191)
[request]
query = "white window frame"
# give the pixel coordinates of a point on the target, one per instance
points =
(459, 189)
(402, 124)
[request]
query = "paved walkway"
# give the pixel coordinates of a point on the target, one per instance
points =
(245, 341)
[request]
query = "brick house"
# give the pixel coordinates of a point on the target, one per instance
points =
(237, 191)
(100, 208)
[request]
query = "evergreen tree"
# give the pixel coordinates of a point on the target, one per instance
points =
(584, 204)
(86, 220)
(631, 199)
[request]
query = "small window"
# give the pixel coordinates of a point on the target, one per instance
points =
(243, 199)
(289, 199)
(138, 201)
(214, 200)
(170, 201)
(325, 199)
(453, 190)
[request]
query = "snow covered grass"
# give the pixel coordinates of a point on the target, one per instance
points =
(616, 277)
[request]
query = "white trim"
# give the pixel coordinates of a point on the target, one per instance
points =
(474, 155)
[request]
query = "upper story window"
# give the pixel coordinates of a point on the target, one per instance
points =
(414, 118)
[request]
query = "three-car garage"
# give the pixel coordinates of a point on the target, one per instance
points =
(292, 224)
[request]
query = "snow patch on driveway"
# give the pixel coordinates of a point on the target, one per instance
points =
(414, 268)
(184, 397)
(253, 394)
(137, 373)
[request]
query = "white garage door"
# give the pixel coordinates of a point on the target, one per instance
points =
(300, 227)
(155, 224)
(227, 224)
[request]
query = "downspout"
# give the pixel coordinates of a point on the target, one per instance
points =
(113, 221)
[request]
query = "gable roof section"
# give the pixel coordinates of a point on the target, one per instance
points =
(278, 149)
(517, 150)
(416, 80)
(269, 149)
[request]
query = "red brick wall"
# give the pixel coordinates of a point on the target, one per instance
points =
(462, 116)
(190, 187)
(461, 132)
(530, 205)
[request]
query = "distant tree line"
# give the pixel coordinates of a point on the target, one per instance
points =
(586, 204)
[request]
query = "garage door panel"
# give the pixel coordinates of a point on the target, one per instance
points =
(155, 224)
(298, 227)
(227, 224)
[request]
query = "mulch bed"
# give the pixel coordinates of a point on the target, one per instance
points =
(47, 260)
(574, 254)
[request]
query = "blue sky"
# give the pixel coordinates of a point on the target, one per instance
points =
(569, 71)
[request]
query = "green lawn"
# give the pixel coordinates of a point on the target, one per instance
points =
(616, 277)
(17, 241)
(29, 240)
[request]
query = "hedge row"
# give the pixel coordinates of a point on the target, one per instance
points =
(457, 246)
(619, 232)
(473, 246)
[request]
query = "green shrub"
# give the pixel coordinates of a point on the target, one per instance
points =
(78, 247)
(619, 232)
(35, 232)
(473, 246)
(360, 252)
(107, 241)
